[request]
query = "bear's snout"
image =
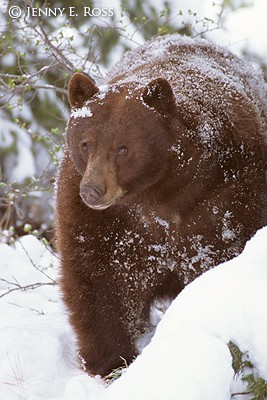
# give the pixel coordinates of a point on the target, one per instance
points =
(91, 194)
(99, 188)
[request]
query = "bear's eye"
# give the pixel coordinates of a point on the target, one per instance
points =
(84, 146)
(122, 150)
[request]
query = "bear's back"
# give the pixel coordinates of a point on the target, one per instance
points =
(207, 79)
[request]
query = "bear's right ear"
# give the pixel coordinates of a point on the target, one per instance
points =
(81, 89)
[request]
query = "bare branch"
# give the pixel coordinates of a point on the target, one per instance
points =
(22, 88)
(36, 267)
(24, 288)
(58, 54)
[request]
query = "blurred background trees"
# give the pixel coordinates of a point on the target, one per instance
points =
(38, 56)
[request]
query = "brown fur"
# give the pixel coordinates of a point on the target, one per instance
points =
(149, 197)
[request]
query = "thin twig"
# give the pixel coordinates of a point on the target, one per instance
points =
(35, 266)
(59, 56)
(22, 88)
(24, 288)
(17, 371)
(240, 394)
(29, 308)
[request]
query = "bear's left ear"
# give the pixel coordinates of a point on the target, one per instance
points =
(159, 95)
(81, 89)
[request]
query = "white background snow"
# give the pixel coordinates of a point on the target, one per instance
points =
(188, 357)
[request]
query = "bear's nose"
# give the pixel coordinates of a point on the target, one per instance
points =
(91, 194)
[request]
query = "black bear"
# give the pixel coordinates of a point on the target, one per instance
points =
(163, 177)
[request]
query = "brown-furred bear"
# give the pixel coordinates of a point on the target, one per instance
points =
(163, 177)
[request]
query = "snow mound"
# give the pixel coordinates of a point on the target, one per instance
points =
(188, 358)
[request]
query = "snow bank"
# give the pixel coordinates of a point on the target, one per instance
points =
(188, 358)
(36, 349)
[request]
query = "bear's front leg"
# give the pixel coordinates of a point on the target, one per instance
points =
(97, 317)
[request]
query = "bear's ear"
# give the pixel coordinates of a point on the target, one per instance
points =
(159, 95)
(81, 89)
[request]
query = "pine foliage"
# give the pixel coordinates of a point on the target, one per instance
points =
(256, 386)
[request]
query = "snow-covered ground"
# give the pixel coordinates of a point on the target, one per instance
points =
(188, 358)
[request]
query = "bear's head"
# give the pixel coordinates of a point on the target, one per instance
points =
(118, 138)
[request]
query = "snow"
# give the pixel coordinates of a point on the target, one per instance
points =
(11, 134)
(103, 90)
(188, 357)
(81, 112)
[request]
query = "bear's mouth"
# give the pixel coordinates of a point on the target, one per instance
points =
(103, 202)
(102, 206)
